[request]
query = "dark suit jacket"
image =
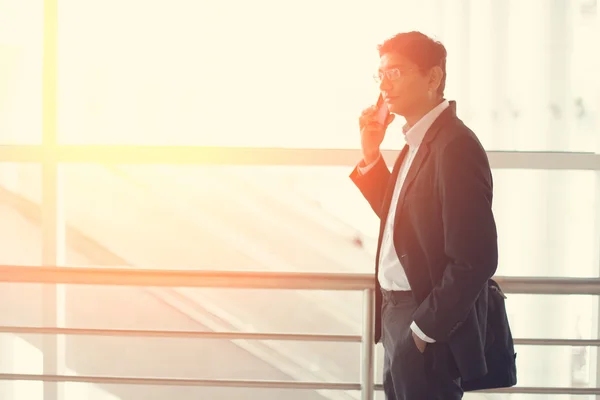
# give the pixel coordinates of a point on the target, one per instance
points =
(445, 237)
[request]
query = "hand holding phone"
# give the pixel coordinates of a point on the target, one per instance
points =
(382, 111)
(373, 124)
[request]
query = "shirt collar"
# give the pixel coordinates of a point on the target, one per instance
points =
(415, 134)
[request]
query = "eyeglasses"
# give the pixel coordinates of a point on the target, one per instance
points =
(391, 74)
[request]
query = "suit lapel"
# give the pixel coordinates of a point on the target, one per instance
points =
(388, 198)
(413, 171)
(423, 152)
(392, 182)
(418, 162)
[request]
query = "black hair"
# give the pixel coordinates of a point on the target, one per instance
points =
(419, 48)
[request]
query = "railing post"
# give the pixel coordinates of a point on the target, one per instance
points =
(596, 83)
(367, 376)
(596, 323)
(54, 346)
(53, 245)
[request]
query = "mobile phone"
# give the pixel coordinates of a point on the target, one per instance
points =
(382, 111)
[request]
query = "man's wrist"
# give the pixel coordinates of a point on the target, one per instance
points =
(420, 334)
(370, 158)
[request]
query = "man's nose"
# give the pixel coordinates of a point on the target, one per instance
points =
(385, 85)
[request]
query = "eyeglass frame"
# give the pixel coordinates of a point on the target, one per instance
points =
(378, 76)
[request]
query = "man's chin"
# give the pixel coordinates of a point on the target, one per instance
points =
(402, 108)
(397, 109)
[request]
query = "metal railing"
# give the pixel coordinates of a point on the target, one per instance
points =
(267, 280)
(50, 154)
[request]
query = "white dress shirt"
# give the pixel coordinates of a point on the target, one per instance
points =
(391, 274)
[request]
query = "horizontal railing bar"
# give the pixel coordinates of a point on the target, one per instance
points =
(543, 160)
(557, 342)
(534, 390)
(549, 285)
(251, 384)
(256, 384)
(545, 390)
(185, 278)
(302, 337)
(215, 155)
(183, 334)
(260, 280)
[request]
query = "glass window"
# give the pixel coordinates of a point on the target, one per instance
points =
(20, 71)
(20, 245)
(554, 317)
(20, 233)
(503, 396)
(203, 217)
(221, 310)
(546, 222)
(20, 355)
(229, 393)
(306, 218)
(528, 83)
(235, 73)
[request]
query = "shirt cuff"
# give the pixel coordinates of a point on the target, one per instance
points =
(420, 333)
(367, 168)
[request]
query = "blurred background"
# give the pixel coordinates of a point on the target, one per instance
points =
(281, 75)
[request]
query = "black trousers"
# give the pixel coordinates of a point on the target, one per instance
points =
(407, 373)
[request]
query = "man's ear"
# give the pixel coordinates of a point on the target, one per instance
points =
(435, 78)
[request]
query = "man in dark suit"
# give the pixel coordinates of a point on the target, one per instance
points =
(437, 242)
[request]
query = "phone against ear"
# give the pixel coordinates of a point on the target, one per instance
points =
(382, 111)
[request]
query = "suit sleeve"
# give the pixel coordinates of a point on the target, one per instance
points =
(470, 238)
(373, 184)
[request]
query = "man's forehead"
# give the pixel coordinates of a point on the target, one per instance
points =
(393, 60)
